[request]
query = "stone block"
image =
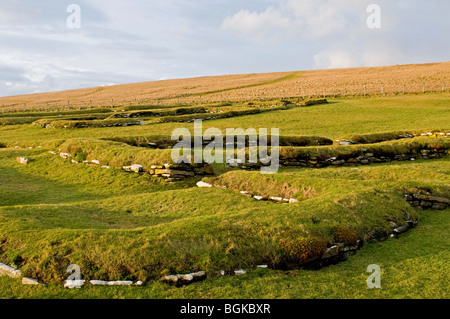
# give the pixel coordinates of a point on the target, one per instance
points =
(137, 168)
(203, 184)
(182, 280)
(9, 271)
(180, 172)
(120, 283)
(71, 284)
(439, 206)
(30, 281)
(22, 160)
(331, 252)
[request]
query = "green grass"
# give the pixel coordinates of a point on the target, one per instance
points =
(413, 266)
(339, 118)
(387, 136)
(118, 225)
(90, 209)
(94, 111)
(391, 148)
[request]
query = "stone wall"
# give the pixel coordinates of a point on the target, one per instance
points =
(421, 201)
(61, 124)
(384, 137)
(275, 199)
(170, 172)
(365, 158)
(177, 172)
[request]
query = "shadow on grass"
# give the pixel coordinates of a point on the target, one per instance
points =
(18, 188)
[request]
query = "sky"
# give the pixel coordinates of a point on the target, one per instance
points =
(131, 41)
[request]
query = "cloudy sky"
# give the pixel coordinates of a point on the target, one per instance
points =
(143, 40)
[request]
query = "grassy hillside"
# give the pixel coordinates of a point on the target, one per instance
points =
(403, 79)
(135, 228)
(414, 266)
(118, 225)
(338, 118)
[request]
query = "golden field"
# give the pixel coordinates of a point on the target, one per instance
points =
(402, 79)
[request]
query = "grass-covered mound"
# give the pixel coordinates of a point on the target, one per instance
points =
(235, 111)
(387, 149)
(116, 229)
(262, 185)
(390, 136)
(118, 225)
(414, 266)
(158, 141)
(122, 116)
(114, 154)
(82, 111)
(44, 118)
(160, 112)
(72, 124)
(17, 120)
(209, 116)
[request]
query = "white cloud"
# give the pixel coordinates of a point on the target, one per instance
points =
(385, 53)
(143, 40)
(251, 23)
(334, 59)
(301, 19)
(370, 55)
(333, 34)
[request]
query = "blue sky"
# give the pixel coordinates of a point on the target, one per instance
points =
(138, 40)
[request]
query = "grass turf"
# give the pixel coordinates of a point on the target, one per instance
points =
(124, 226)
